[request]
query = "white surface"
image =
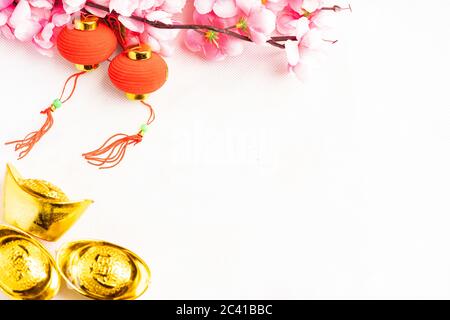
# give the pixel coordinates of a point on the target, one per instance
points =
(252, 185)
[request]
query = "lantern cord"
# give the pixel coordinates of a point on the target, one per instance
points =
(118, 29)
(26, 144)
(112, 152)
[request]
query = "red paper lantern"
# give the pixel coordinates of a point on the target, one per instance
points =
(87, 44)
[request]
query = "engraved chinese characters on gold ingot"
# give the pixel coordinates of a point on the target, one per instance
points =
(24, 267)
(106, 271)
(27, 271)
(102, 270)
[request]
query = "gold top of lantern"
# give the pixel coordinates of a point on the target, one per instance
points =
(86, 23)
(140, 52)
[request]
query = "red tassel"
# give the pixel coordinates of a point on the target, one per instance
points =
(112, 152)
(30, 140)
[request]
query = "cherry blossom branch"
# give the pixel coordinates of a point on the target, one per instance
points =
(274, 41)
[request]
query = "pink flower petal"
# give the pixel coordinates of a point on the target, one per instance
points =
(21, 14)
(247, 5)
(3, 18)
(47, 31)
(286, 23)
(133, 25)
(311, 5)
(146, 4)
(225, 8)
(125, 8)
(302, 27)
(276, 5)
(292, 53)
(5, 3)
(6, 32)
(40, 14)
(193, 40)
(163, 34)
(47, 4)
(313, 39)
(158, 15)
(262, 20)
(72, 6)
(204, 6)
(152, 42)
(60, 19)
(173, 6)
(98, 12)
(45, 52)
(212, 52)
(232, 46)
(258, 37)
(167, 49)
(27, 30)
(296, 5)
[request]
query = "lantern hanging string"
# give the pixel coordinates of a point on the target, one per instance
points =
(26, 144)
(114, 23)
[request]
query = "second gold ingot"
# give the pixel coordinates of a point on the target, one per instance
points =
(38, 207)
(102, 270)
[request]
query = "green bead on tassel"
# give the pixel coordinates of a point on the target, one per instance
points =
(56, 104)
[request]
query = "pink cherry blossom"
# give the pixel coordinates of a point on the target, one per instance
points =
(299, 53)
(213, 45)
(160, 40)
(250, 19)
(40, 21)
(288, 18)
(25, 26)
(260, 23)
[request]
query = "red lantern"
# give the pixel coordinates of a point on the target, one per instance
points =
(86, 45)
(138, 72)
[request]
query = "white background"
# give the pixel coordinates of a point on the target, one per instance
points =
(253, 185)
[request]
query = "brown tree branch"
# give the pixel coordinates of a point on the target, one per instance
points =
(274, 41)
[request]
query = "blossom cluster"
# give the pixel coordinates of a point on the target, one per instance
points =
(40, 21)
(295, 25)
(302, 21)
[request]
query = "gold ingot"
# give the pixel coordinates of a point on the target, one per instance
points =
(86, 67)
(38, 207)
(86, 23)
(28, 271)
(141, 52)
(135, 96)
(102, 270)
